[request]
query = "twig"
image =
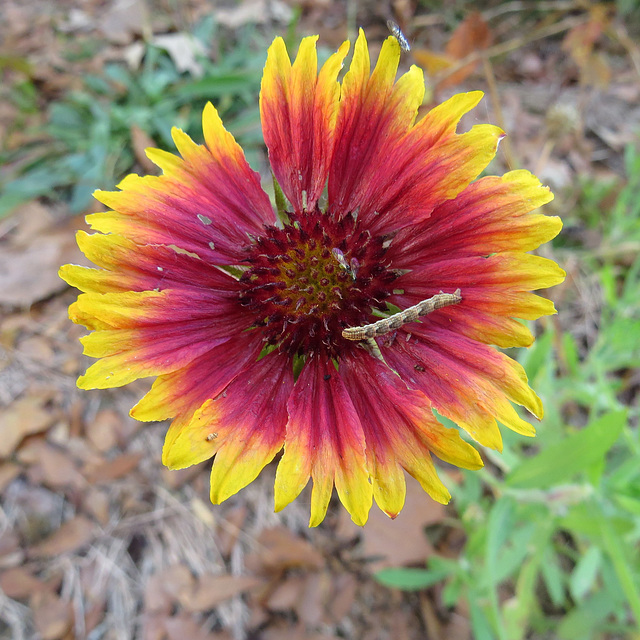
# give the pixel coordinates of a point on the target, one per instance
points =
(514, 7)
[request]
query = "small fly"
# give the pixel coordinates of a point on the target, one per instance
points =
(396, 32)
(350, 267)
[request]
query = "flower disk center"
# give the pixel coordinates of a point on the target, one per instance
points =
(311, 279)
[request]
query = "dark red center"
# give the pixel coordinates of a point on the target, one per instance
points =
(312, 278)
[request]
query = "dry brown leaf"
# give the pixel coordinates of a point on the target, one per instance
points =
(50, 466)
(281, 550)
(167, 587)
(21, 418)
(345, 587)
(315, 595)
(113, 469)
(32, 218)
(19, 583)
(286, 594)
(104, 429)
(210, 591)
(72, 535)
(473, 34)
(402, 541)
(75, 416)
(31, 274)
(37, 349)
(123, 19)
(53, 617)
(95, 502)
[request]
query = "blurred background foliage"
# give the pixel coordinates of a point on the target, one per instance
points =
(545, 541)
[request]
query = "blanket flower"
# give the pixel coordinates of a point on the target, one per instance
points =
(242, 311)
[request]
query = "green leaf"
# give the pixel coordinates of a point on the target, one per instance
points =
(584, 621)
(409, 579)
(218, 84)
(452, 590)
(498, 529)
(553, 580)
(584, 518)
(585, 573)
(479, 624)
(617, 551)
(38, 182)
(560, 462)
(629, 504)
(514, 551)
(517, 611)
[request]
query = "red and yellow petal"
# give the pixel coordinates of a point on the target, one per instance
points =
(127, 266)
(401, 432)
(187, 308)
(243, 427)
(469, 383)
(180, 393)
(499, 284)
(492, 215)
(205, 203)
(324, 441)
(374, 111)
(426, 175)
(392, 173)
(140, 334)
(298, 108)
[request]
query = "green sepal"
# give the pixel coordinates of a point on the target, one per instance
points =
(281, 201)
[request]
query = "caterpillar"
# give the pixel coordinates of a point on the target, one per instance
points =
(412, 314)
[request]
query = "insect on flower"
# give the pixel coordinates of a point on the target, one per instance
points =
(396, 32)
(412, 314)
(350, 267)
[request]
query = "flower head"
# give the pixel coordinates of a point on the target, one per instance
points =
(240, 311)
